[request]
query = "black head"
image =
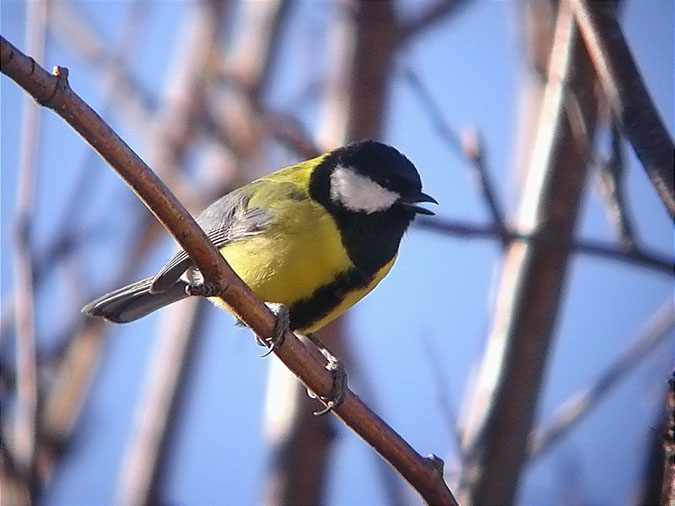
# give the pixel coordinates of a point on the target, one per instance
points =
(372, 191)
(369, 177)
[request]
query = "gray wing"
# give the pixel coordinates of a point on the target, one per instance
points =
(228, 219)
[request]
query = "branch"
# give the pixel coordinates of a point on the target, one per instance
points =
(612, 187)
(433, 14)
(656, 328)
(508, 384)
(470, 147)
(25, 422)
(627, 95)
(636, 255)
(658, 472)
(668, 490)
(53, 91)
(156, 412)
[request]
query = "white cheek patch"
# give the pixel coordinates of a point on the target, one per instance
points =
(359, 193)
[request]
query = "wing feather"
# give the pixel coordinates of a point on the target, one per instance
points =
(228, 219)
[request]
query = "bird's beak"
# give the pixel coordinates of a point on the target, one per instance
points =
(421, 197)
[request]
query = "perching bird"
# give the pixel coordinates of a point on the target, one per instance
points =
(315, 237)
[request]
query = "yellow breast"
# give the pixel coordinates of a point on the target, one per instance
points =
(299, 252)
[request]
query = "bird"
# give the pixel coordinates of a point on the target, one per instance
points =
(313, 238)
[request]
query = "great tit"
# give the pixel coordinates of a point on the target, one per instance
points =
(315, 237)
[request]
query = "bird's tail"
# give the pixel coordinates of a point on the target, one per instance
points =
(134, 301)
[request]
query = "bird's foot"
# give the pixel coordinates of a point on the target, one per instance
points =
(337, 369)
(280, 328)
(203, 288)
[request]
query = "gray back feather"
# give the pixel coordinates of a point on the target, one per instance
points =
(227, 220)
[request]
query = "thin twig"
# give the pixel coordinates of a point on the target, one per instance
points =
(131, 100)
(433, 14)
(442, 386)
(658, 327)
(54, 92)
(470, 148)
(639, 257)
(627, 95)
(612, 185)
(291, 134)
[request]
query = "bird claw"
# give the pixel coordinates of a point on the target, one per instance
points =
(280, 328)
(337, 369)
(203, 288)
(333, 364)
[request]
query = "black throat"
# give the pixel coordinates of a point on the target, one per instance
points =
(371, 240)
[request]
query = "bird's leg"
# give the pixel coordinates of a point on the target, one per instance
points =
(334, 365)
(203, 288)
(337, 370)
(280, 328)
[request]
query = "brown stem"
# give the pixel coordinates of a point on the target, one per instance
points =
(627, 95)
(508, 385)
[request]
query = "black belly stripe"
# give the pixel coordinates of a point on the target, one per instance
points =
(307, 311)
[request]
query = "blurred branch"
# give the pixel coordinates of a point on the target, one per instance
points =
(78, 362)
(627, 95)
(156, 411)
(470, 147)
(256, 49)
(659, 326)
(24, 442)
(244, 76)
(658, 476)
(357, 90)
(613, 189)
(299, 442)
(130, 99)
(174, 128)
(290, 133)
(67, 393)
(442, 385)
(53, 91)
(182, 108)
(636, 256)
(423, 20)
(78, 355)
(668, 490)
(507, 388)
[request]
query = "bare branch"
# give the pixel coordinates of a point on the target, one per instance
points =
(156, 411)
(627, 95)
(255, 51)
(130, 99)
(290, 133)
(299, 442)
(509, 381)
(612, 186)
(53, 91)
(442, 386)
(433, 14)
(636, 256)
(668, 490)
(659, 326)
(469, 146)
(25, 422)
